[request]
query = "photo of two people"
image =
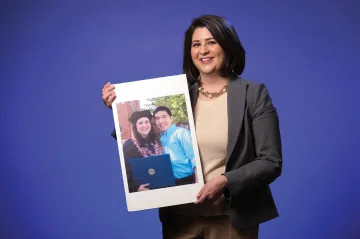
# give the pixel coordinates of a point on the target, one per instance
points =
(156, 142)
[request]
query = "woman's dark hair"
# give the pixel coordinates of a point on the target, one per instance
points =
(144, 142)
(225, 35)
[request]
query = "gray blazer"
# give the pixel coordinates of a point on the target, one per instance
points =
(254, 157)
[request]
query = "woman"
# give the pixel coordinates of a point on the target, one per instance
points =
(242, 155)
(144, 143)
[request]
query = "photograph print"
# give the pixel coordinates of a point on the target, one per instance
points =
(157, 146)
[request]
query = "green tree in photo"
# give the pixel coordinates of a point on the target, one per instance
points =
(176, 104)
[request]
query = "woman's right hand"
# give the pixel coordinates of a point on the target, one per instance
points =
(108, 95)
(143, 187)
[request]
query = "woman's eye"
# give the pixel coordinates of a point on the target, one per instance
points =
(196, 44)
(212, 42)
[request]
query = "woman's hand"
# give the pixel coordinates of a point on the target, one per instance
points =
(108, 95)
(212, 190)
(143, 187)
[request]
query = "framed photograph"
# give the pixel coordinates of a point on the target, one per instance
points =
(157, 143)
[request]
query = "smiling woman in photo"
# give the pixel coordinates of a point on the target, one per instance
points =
(143, 143)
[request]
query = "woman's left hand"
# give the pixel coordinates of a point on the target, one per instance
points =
(212, 190)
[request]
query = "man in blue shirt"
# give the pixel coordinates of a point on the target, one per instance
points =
(176, 142)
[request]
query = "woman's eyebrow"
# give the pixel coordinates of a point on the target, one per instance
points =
(206, 39)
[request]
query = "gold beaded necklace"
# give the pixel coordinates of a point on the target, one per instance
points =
(212, 95)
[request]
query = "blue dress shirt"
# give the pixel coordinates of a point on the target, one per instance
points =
(177, 142)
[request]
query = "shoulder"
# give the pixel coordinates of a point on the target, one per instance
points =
(181, 132)
(257, 96)
(255, 90)
(128, 143)
(129, 146)
(192, 85)
(252, 85)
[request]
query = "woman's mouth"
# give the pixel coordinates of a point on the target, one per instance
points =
(206, 60)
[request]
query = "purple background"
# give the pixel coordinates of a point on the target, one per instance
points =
(59, 170)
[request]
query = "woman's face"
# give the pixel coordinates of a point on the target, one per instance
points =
(143, 126)
(206, 53)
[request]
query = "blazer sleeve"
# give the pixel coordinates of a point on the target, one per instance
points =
(267, 165)
(113, 134)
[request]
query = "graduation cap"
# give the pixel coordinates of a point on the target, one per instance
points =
(139, 114)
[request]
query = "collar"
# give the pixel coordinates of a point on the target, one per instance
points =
(170, 130)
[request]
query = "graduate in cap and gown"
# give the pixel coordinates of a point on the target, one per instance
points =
(143, 143)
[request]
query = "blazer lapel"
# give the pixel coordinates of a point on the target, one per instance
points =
(236, 96)
(193, 92)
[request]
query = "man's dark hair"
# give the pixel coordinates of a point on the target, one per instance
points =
(162, 108)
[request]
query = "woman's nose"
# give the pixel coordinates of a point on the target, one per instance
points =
(203, 49)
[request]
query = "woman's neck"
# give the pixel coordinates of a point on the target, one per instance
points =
(213, 82)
